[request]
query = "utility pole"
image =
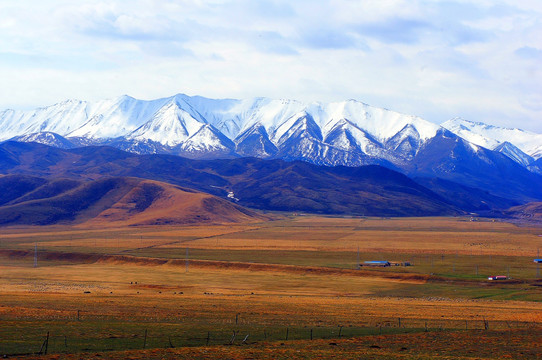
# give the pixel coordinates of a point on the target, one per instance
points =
(35, 254)
(357, 264)
(538, 264)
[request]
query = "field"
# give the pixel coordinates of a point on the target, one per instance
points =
(289, 288)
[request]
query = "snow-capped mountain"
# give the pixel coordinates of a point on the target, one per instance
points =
(519, 145)
(46, 138)
(340, 133)
(463, 156)
(514, 153)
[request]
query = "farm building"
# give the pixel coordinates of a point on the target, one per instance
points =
(403, 263)
(377, 263)
(498, 277)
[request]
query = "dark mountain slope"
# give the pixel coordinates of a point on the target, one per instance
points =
(449, 157)
(368, 190)
(16, 186)
(465, 197)
(272, 185)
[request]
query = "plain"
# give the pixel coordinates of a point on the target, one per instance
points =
(288, 288)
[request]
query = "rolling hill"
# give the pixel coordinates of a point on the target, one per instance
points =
(530, 212)
(111, 201)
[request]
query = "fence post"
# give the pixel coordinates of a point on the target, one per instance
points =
(47, 343)
(145, 340)
(287, 329)
(44, 345)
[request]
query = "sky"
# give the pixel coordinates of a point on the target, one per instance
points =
(480, 60)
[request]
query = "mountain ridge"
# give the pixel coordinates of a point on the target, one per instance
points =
(493, 137)
(261, 184)
(349, 132)
(201, 127)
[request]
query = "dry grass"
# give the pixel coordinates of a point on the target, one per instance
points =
(127, 295)
(262, 296)
(431, 345)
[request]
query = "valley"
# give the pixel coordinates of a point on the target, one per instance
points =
(282, 180)
(113, 247)
(182, 291)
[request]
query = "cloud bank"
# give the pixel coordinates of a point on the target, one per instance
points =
(437, 59)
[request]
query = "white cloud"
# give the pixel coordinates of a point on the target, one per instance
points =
(437, 59)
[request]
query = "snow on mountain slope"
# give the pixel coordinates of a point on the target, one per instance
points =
(116, 117)
(169, 126)
(406, 142)
(60, 118)
(255, 142)
(339, 133)
(381, 123)
(345, 135)
(172, 121)
(208, 141)
(491, 137)
(269, 113)
(46, 138)
(514, 153)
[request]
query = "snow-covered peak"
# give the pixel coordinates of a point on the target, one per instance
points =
(170, 126)
(116, 117)
(380, 123)
(490, 136)
(59, 118)
(46, 138)
(346, 136)
(332, 133)
(207, 140)
(471, 131)
(514, 153)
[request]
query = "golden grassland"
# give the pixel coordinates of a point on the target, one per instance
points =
(98, 291)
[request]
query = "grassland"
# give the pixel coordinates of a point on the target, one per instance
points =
(99, 291)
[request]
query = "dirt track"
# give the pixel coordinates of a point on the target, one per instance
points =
(294, 269)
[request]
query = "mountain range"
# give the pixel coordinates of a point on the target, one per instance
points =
(522, 146)
(344, 133)
(275, 185)
(468, 166)
(348, 133)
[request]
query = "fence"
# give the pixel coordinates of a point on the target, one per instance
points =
(149, 335)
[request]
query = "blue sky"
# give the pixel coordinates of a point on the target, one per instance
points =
(480, 60)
